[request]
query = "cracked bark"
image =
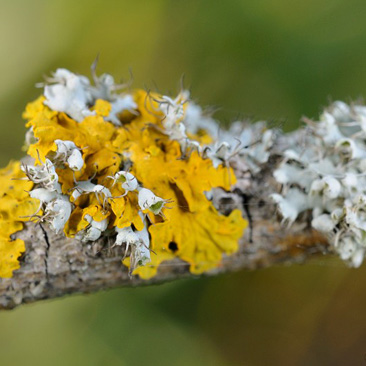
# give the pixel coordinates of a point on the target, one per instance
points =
(54, 266)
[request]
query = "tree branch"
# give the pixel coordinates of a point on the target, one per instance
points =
(54, 265)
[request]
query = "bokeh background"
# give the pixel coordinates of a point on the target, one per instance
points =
(274, 60)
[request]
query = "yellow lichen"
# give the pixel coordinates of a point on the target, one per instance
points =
(181, 221)
(15, 207)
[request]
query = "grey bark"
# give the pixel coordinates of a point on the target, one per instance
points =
(54, 266)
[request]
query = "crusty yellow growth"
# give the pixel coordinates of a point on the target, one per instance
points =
(15, 206)
(189, 227)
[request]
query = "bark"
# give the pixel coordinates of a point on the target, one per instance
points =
(54, 266)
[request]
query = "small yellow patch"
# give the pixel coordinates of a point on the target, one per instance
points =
(102, 107)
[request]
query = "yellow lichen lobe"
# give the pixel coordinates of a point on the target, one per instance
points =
(15, 207)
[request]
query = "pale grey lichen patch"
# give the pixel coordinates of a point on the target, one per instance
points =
(326, 176)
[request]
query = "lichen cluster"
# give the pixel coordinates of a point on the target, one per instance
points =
(147, 171)
(325, 176)
(135, 167)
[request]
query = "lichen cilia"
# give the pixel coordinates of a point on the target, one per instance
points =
(137, 167)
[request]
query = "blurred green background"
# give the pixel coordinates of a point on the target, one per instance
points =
(274, 60)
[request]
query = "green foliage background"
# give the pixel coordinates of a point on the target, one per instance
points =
(274, 60)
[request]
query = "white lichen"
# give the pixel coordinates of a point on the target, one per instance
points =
(69, 93)
(137, 242)
(68, 153)
(127, 181)
(328, 172)
(149, 201)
